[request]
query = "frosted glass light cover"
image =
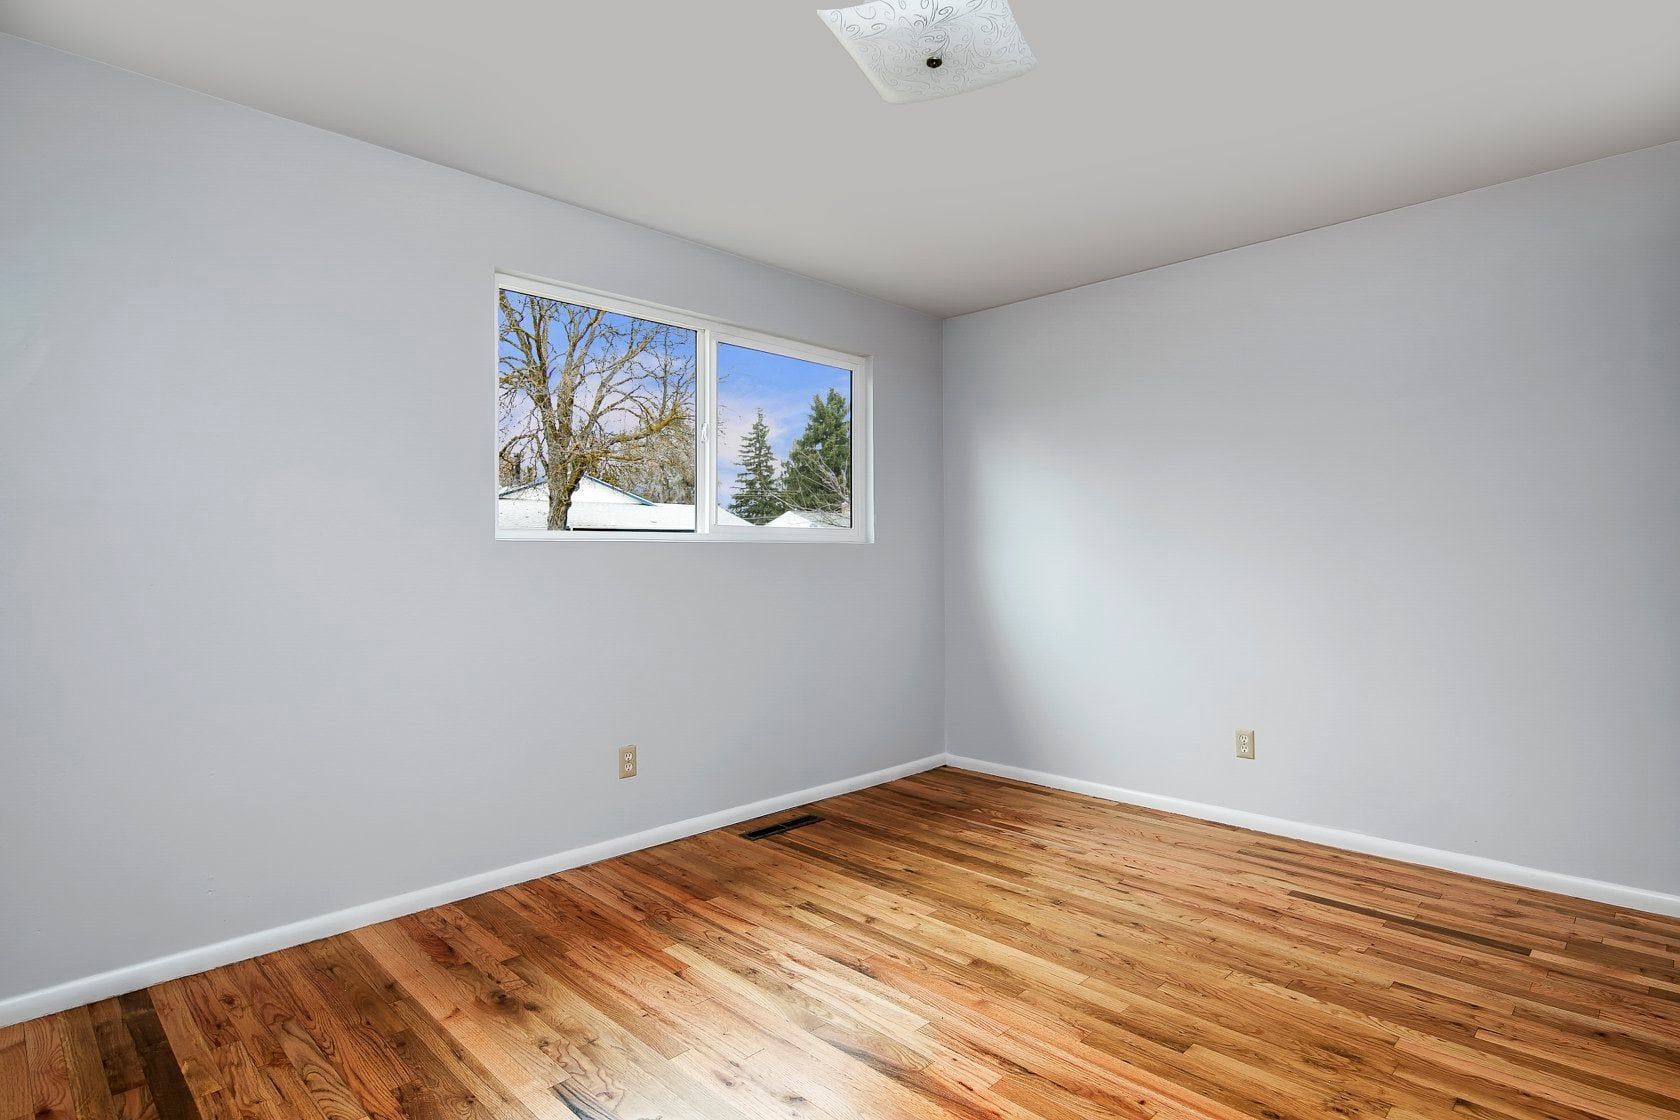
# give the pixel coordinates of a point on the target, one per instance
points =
(976, 43)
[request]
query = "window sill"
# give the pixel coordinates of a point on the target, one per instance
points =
(763, 536)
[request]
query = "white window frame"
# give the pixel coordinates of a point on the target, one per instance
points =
(709, 334)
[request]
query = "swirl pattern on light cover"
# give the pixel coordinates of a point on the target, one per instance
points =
(977, 41)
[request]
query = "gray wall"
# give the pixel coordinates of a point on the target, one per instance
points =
(262, 658)
(1403, 495)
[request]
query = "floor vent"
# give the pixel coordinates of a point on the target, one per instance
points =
(781, 826)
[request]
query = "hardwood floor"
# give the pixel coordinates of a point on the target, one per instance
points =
(948, 945)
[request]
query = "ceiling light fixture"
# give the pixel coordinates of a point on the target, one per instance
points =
(917, 50)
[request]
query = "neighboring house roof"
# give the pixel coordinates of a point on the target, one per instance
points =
(512, 490)
(588, 481)
(807, 519)
(600, 505)
(596, 505)
(512, 513)
(610, 515)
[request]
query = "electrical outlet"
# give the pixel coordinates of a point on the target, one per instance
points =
(627, 761)
(1245, 743)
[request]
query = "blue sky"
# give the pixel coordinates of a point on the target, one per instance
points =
(783, 387)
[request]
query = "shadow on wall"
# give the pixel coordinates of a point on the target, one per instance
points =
(1065, 619)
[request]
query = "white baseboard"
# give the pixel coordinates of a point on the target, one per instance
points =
(104, 985)
(1615, 894)
(117, 981)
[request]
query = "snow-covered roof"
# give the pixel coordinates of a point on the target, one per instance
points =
(610, 515)
(809, 519)
(597, 506)
(589, 489)
(510, 491)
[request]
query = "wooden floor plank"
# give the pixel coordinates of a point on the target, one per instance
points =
(158, 1060)
(950, 946)
(49, 1075)
(90, 1094)
(15, 1102)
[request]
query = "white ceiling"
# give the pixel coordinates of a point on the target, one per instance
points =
(1152, 131)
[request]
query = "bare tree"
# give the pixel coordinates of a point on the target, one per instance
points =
(664, 472)
(584, 391)
(826, 497)
(516, 461)
(817, 479)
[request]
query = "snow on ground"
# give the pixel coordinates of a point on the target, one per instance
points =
(520, 512)
(596, 505)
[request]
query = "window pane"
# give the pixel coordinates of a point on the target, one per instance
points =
(594, 419)
(784, 441)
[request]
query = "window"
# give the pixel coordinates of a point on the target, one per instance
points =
(622, 421)
(784, 447)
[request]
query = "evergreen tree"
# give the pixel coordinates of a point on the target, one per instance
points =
(818, 476)
(756, 497)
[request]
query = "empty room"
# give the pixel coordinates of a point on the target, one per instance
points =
(928, 560)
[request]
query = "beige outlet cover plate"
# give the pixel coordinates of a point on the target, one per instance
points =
(1245, 744)
(627, 762)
